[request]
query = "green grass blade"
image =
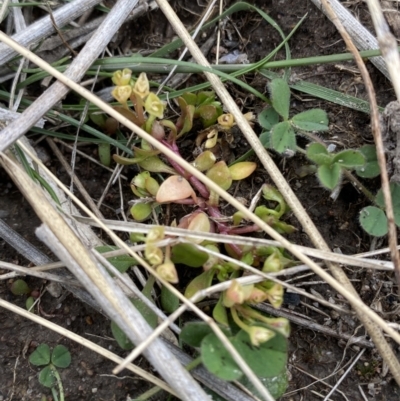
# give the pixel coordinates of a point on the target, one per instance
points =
(321, 92)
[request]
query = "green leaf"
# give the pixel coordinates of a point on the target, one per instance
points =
(374, 221)
(194, 332)
(318, 154)
(219, 313)
(61, 357)
(283, 137)
(46, 377)
(20, 287)
(208, 114)
(200, 282)
(217, 359)
(311, 120)
(329, 176)
(105, 154)
(280, 97)
(121, 338)
(41, 355)
(205, 97)
(122, 263)
(265, 139)
(150, 317)
(371, 168)
(141, 211)
(267, 360)
(187, 254)
(276, 385)
(268, 118)
(29, 304)
(190, 98)
(99, 118)
(169, 301)
(220, 174)
(349, 159)
(395, 193)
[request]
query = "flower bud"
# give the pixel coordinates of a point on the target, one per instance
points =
(122, 93)
(259, 335)
(122, 78)
(155, 234)
(236, 294)
(275, 295)
(204, 161)
(272, 264)
(167, 271)
(279, 324)
(226, 121)
(256, 296)
(153, 254)
(157, 130)
(142, 86)
(154, 106)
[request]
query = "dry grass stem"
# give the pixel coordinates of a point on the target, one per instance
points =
(380, 342)
(44, 27)
(132, 227)
(363, 38)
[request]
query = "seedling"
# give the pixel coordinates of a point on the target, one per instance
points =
(373, 218)
(49, 376)
(281, 135)
(20, 287)
(330, 165)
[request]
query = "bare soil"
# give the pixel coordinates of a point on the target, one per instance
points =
(313, 356)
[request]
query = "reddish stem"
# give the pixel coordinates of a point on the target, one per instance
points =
(201, 188)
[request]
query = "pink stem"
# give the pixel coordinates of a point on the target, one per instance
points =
(201, 188)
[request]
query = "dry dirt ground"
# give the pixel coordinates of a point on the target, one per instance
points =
(312, 354)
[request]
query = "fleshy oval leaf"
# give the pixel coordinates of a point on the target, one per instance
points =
(20, 287)
(188, 255)
(169, 301)
(141, 211)
(220, 174)
(200, 282)
(219, 313)
(174, 188)
(242, 170)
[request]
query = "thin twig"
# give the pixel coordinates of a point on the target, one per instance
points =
(75, 179)
(334, 388)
